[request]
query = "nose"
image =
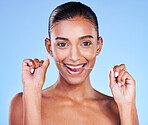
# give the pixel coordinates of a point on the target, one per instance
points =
(75, 54)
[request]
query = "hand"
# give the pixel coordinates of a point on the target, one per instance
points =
(122, 85)
(34, 72)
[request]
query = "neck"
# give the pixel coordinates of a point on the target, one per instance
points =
(77, 92)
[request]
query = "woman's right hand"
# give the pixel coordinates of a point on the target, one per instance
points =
(34, 72)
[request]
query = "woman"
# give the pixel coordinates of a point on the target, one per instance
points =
(74, 43)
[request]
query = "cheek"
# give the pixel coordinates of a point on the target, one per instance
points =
(59, 54)
(90, 53)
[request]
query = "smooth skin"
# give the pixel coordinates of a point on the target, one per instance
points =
(72, 100)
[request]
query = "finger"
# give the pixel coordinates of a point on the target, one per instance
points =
(28, 65)
(26, 62)
(119, 78)
(112, 78)
(37, 64)
(45, 63)
(116, 72)
(117, 69)
(127, 78)
(41, 62)
(32, 66)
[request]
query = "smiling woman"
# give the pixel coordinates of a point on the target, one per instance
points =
(74, 43)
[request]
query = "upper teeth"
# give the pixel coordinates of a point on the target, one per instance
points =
(75, 67)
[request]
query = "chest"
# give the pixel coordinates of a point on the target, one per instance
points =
(57, 114)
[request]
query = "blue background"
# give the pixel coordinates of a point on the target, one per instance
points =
(123, 26)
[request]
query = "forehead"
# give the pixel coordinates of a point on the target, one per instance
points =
(74, 27)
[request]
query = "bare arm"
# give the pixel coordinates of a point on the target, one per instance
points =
(123, 89)
(25, 108)
(31, 106)
(128, 114)
(33, 77)
(16, 110)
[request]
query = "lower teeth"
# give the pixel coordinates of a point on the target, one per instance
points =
(75, 69)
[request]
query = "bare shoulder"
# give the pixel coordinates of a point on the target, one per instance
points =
(106, 100)
(47, 92)
(16, 110)
(109, 107)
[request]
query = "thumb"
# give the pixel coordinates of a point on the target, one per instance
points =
(45, 63)
(112, 78)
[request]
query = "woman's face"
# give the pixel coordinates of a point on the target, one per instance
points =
(74, 45)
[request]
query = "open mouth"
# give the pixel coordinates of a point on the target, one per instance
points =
(75, 69)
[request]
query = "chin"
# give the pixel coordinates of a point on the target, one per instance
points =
(75, 80)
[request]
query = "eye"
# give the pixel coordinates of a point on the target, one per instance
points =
(62, 44)
(86, 43)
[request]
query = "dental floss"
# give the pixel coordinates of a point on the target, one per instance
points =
(62, 64)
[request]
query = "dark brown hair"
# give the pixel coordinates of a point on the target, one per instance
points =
(71, 10)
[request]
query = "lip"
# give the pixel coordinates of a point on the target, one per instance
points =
(75, 69)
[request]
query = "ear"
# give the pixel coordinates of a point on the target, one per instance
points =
(99, 45)
(48, 46)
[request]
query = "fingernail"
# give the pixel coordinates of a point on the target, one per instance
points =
(122, 83)
(32, 71)
(116, 74)
(119, 84)
(47, 57)
(30, 63)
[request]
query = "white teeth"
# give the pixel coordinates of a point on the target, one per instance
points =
(75, 67)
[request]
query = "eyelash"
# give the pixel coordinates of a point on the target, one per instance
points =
(86, 42)
(63, 44)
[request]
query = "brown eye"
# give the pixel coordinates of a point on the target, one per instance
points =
(86, 43)
(62, 44)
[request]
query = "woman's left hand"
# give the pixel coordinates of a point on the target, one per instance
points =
(122, 85)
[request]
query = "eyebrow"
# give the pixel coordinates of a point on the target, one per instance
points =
(61, 38)
(82, 37)
(87, 36)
